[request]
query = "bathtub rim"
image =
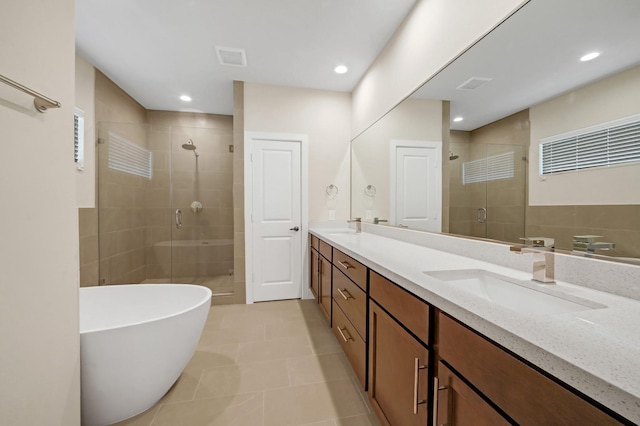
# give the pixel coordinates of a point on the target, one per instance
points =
(146, 321)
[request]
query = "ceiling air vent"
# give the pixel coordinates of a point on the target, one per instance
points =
(231, 56)
(473, 83)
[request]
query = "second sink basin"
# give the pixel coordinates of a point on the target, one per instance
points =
(521, 296)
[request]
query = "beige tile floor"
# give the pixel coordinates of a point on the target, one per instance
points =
(266, 364)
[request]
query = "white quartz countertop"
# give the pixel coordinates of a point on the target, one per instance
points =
(596, 351)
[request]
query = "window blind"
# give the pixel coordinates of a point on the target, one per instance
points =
(78, 136)
(489, 168)
(607, 144)
(129, 157)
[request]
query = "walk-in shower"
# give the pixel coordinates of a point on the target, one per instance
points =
(145, 176)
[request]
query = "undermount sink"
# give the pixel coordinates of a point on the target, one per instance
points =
(341, 231)
(517, 295)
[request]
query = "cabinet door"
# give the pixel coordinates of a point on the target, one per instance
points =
(456, 404)
(397, 373)
(325, 287)
(315, 274)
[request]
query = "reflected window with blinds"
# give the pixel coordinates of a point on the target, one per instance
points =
(490, 168)
(608, 144)
(129, 157)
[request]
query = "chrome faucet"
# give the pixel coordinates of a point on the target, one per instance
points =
(358, 222)
(377, 220)
(589, 245)
(543, 258)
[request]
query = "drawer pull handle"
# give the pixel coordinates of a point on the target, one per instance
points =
(342, 331)
(436, 391)
(346, 296)
(345, 265)
(416, 385)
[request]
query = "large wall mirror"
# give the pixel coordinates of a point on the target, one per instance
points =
(522, 85)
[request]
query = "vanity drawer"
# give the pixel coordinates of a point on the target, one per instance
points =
(325, 250)
(315, 242)
(526, 395)
(351, 299)
(351, 342)
(351, 267)
(405, 307)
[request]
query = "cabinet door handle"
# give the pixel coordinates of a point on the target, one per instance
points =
(436, 390)
(416, 385)
(345, 296)
(345, 265)
(341, 331)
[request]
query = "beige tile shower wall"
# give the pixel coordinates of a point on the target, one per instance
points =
(459, 194)
(204, 244)
(616, 224)
(123, 242)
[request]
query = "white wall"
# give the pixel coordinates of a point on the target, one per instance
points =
(325, 118)
(39, 359)
(414, 119)
(85, 100)
(432, 35)
(606, 100)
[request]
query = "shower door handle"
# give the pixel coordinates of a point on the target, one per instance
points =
(178, 218)
(481, 215)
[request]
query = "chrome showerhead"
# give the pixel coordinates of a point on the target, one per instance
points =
(189, 146)
(452, 156)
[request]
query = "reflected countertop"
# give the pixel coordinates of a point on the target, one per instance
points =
(596, 351)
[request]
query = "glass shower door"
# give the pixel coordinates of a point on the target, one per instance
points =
(202, 209)
(487, 190)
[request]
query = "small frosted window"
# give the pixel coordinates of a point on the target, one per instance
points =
(78, 138)
(489, 168)
(608, 144)
(129, 157)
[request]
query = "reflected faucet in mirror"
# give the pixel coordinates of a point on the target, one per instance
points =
(589, 245)
(543, 257)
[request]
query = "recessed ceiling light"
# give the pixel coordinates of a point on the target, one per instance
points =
(458, 119)
(185, 98)
(590, 56)
(341, 69)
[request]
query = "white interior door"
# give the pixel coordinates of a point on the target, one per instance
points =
(276, 236)
(417, 184)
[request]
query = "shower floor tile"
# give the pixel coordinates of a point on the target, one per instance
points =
(219, 284)
(306, 365)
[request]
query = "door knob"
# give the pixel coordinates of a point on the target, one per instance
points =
(295, 228)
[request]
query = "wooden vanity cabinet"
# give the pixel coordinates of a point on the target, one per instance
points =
(398, 354)
(523, 393)
(455, 403)
(325, 286)
(320, 274)
(314, 267)
(349, 321)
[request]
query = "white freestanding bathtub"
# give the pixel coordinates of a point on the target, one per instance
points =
(135, 340)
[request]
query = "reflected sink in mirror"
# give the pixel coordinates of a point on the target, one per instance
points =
(517, 295)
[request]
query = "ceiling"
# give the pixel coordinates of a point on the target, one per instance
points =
(534, 56)
(157, 50)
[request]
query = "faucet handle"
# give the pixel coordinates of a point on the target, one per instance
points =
(538, 241)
